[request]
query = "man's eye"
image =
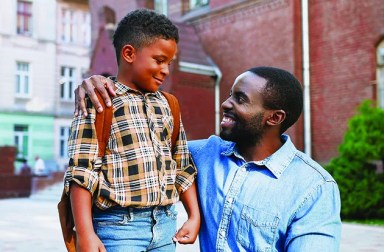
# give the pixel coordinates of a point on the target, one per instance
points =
(239, 99)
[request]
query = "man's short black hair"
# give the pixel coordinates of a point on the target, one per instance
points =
(282, 91)
(140, 28)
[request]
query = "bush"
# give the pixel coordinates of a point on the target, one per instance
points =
(361, 187)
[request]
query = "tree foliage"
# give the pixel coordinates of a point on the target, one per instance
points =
(361, 186)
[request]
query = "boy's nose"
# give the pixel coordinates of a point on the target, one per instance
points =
(165, 70)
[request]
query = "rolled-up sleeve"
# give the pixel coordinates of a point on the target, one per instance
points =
(317, 224)
(186, 169)
(83, 153)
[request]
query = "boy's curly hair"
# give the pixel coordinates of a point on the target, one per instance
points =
(140, 28)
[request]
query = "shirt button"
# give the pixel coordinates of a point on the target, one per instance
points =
(230, 200)
(243, 169)
(222, 233)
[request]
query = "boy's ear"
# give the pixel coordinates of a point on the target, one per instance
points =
(276, 118)
(128, 53)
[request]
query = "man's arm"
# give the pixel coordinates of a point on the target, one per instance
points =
(317, 224)
(187, 234)
(81, 202)
(105, 87)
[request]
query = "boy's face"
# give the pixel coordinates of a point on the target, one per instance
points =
(150, 65)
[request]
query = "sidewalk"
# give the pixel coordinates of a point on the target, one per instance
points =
(31, 224)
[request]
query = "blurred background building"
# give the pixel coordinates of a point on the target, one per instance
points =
(45, 50)
(47, 47)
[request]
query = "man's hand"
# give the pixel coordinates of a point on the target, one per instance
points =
(104, 85)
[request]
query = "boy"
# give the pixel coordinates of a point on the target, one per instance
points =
(132, 192)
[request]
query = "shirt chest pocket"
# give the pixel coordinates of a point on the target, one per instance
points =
(257, 229)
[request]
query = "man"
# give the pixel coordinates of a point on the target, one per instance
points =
(257, 192)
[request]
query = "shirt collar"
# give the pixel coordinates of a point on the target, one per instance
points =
(276, 163)
(122, 89)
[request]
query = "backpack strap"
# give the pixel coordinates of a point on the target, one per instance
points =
(103, 124)
(175, 110)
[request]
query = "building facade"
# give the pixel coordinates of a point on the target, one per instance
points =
(45, 51)
(346, 57)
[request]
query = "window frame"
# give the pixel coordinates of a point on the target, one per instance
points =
(161, 6)
(380, 74)
(194, 4)
(23, 79)
(23, 135)
(24, 17)
(67, 83)
(63, 141)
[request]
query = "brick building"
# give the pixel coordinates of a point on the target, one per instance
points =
(222, 38)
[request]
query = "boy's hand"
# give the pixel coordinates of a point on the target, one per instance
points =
(89, 243)
(187, 234)
(104, 85)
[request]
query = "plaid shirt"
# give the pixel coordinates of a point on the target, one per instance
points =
(138, 169)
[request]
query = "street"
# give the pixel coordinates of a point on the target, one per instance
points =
(31, 224)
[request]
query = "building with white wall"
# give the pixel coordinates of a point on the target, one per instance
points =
(44, 52)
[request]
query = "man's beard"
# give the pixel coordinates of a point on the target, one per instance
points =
(245, 132)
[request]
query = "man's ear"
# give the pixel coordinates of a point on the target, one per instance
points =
(276, 117)
(128, 53)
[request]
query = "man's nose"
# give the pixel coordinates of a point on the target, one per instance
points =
(226, 104)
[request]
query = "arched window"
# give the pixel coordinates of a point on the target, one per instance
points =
(380, 74)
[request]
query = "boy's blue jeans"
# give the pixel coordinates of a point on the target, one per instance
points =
(126, 229)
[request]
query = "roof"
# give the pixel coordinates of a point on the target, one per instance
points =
(190, 47)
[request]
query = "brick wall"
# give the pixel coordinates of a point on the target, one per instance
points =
(7, 157)
(252, 34)
(343, 35)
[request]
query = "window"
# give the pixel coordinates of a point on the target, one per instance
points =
(21, 140)
(67, 83)
(22, 79)
(67, 26)
(197, 3)
(64, 135)
(161, 6)
(75, 27)
(380, 74)
(24, 17)
(86, 29)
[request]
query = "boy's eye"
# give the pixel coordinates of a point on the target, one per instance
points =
(160, 61)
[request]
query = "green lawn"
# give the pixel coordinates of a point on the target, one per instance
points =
(368, 222)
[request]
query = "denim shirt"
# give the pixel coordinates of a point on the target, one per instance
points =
(286, 202)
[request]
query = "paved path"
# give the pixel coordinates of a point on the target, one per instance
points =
(31, 224)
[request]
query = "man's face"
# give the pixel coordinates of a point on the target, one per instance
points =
(151, 65)
(243, 112)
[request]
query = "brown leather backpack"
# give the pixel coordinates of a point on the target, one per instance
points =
(103, 123)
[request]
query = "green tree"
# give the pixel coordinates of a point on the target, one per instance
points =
(361, 187)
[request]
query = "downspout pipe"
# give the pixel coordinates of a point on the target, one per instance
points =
(217, 99)
(212, 71)
(306, 78)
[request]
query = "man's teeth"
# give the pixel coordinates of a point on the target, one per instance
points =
(227, 119)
